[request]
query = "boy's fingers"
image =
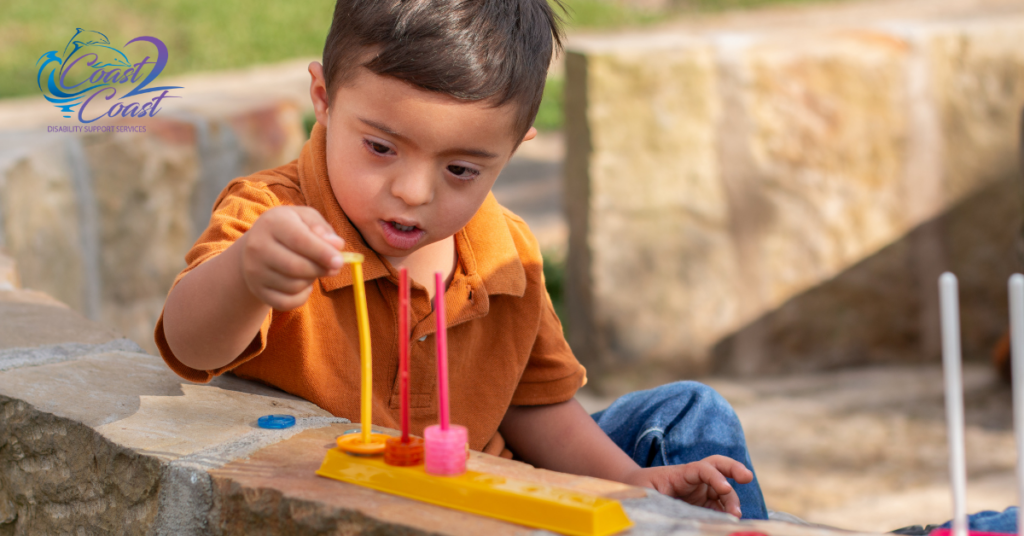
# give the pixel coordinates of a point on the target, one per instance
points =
(713, 477)
(290, 264)
(718, 468)
(283, 283)
(316, 223)
(719, 488)
(281, 301)
(731, 468)
(310, 242)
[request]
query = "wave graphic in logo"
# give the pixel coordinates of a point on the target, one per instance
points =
(90, 67)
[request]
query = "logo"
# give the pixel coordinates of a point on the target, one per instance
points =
(101, 81)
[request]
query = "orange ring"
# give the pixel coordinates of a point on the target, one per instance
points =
(353, 444)
(403, 454)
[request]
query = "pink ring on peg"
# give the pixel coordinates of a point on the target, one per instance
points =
(445, 450)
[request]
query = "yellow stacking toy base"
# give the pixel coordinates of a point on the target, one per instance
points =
(526, 503)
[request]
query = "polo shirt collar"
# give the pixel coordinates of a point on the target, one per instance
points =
(485, 246)
(486, 250)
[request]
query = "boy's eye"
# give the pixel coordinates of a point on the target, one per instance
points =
(378, 148)
(463, 172)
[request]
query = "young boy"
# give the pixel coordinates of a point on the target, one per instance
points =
(419, 105)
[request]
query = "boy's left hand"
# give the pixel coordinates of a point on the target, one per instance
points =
(701, 483)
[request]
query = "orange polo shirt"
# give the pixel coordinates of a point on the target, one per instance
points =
(505, 343)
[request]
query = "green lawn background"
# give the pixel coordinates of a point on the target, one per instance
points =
(205, 35)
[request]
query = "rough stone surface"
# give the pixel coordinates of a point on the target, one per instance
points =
(884, 308)
(58, 353)
(124, 443)
(277, 478)
(142, 184)
(97, 439)
(40, 220)
(115, 443)
(59, 476)
(759, 202)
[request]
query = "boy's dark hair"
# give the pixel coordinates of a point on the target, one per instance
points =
(469, 49)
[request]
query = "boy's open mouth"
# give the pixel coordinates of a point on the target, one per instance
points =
(401, 236)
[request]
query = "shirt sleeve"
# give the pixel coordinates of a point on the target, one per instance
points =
(234, 213)
(552, 374)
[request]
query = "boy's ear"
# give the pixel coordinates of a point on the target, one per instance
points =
(318, 92)
(530, 134)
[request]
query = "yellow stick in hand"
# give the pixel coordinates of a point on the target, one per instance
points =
(365, 354)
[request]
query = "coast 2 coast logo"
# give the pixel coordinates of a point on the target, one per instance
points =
(100, 81)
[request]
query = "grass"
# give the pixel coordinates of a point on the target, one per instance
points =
(206, 35)
(554, 281)
(605, 14)
(550, 115)
(726, 5)
(200, 34)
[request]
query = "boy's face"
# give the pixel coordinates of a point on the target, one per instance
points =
(409, 167)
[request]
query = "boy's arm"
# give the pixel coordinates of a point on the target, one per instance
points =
(563, 437)
(214, 312)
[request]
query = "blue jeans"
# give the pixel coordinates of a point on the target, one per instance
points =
(680, 423)
(991, 521)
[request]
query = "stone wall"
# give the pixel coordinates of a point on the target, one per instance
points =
(758, 201)
(102, 221)
(98, 437)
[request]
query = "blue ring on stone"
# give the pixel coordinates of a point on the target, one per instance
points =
(276, 422)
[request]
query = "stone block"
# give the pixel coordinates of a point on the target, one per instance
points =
(827, 140)
(269, 135)
(643, 197)
(113, 442)
(95, 444)
(41, 220)
(26, 325)
(977, 80)
(764, 202)
(142, 186)
(59, 477)
(154, 193)
(98, 438)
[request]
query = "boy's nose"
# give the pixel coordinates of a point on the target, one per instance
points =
(414, 186)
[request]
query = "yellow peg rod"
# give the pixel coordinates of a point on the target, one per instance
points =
(370, 443)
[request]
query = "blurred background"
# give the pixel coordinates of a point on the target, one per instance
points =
(760, 194)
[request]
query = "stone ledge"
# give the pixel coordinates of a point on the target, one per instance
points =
(97, 437)
(37, 324)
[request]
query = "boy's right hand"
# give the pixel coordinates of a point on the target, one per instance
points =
(701, 483)
(285, 251)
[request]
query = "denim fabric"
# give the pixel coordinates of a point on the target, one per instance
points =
(680, 423)
(991, 521)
